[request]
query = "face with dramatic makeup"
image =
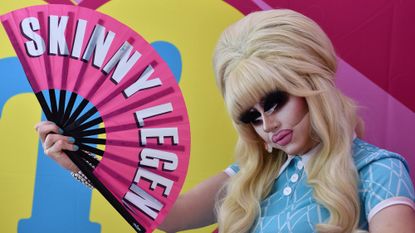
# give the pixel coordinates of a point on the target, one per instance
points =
(282, 121)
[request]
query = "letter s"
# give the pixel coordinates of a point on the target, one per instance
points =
(36, 46)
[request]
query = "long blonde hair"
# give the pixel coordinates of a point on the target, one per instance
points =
(284, 50)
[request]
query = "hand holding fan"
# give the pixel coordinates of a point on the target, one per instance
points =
(103, 84)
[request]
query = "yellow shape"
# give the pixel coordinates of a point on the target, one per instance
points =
(5, 7)
(19, 145)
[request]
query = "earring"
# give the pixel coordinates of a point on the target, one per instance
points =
(268, 147)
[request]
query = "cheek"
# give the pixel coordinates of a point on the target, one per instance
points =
(298, 111)
(260, 132)
(303, 125)
(292, 113)
(303, 133)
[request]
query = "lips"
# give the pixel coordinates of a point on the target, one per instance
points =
(283, 137)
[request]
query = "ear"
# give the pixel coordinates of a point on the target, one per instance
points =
(268, 147)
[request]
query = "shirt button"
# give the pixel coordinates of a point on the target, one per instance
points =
(287, 191)
(300, 165)
(294, 178)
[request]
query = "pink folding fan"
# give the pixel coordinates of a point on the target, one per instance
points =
(104, 85)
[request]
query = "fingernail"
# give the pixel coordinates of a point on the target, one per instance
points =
(71, 139)
(60, 131)
(75, 147)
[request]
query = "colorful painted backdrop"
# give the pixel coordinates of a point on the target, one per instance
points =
(37, 195)
(375, 47)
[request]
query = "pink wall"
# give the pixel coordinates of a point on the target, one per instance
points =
(376, 65)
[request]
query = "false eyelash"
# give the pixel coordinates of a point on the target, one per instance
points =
(249, 116)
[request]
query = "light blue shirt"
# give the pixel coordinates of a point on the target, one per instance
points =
(384, 181)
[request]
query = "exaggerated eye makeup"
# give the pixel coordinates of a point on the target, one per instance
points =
(250, 116)
(274, 100)
(271, 102)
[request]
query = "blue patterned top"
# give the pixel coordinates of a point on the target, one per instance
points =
(384, 181)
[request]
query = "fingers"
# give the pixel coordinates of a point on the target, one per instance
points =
(54, 143)
(58, 142)
(46, 127)
(55, 151)
(57, 148)
(43, 123)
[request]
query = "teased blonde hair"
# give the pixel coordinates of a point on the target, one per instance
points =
(284, 50)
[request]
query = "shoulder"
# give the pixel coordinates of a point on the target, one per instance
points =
(381, 171)
(366, 154)
(232, 169)
(383, 178)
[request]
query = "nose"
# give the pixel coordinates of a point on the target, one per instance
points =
(270, 122)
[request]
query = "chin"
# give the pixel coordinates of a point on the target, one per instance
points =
(291, 149)
(294, 148)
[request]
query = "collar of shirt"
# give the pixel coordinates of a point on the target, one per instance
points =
(304, 158)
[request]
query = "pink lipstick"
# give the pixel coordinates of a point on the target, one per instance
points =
(283, 137)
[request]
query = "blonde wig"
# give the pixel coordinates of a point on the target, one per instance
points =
(284, 50)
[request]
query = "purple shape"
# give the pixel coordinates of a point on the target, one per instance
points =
(389, 123)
